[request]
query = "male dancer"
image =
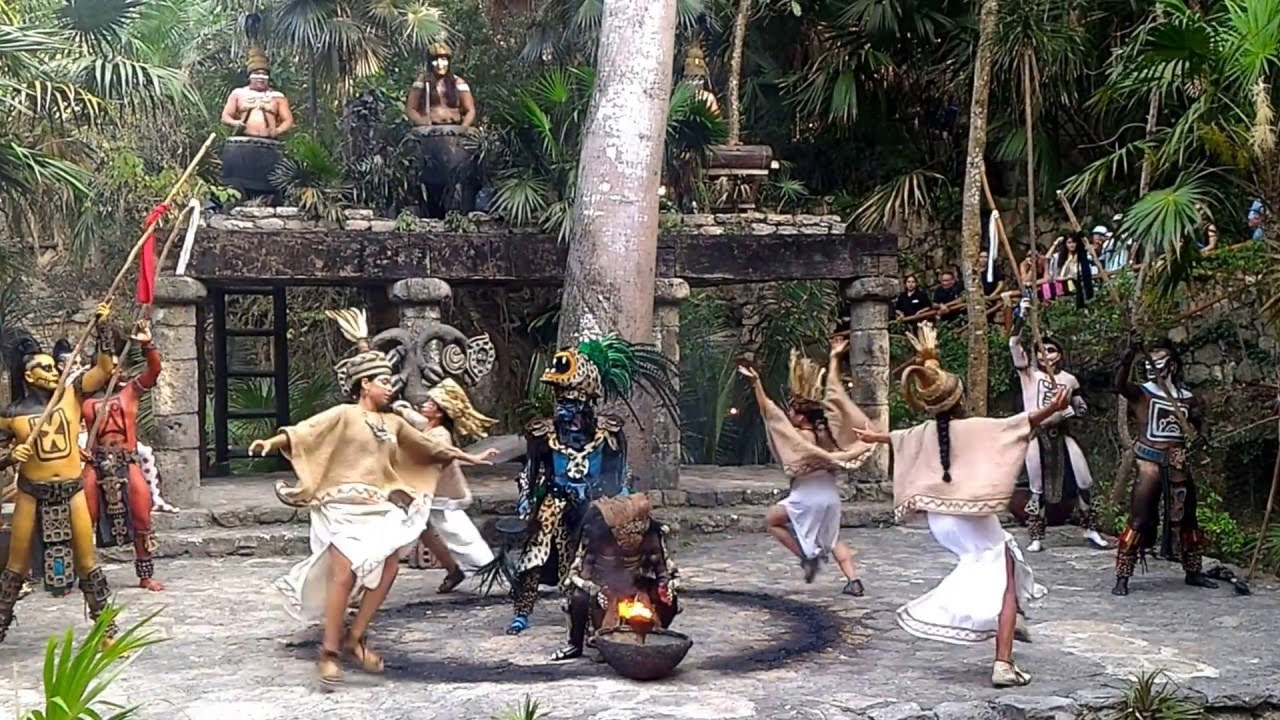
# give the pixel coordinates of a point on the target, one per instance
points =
(1053, 454)
(115, 485)
(577, 455)
(1163, 467)
(50, 507)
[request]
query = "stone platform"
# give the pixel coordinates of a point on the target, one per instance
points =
(767, 645)
(241, 515)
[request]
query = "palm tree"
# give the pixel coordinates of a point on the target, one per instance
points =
(342, 41)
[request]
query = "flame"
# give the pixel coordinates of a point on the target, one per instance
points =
(630, 610)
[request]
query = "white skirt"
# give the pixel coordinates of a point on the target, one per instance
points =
(813, 508)
(965, 607)
(366, 534)
(462, 538)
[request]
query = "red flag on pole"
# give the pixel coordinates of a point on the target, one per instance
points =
(147, 257)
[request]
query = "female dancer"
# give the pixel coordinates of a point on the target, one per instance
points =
(807, 522)
(354, 462)
(961, 472)
(451, 536)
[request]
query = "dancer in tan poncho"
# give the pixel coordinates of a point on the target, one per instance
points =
(816, 445)
(368, 478)
(960, 472)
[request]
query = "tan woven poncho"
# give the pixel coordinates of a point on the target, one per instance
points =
(338, 447)
(987, 455)
(799, 456)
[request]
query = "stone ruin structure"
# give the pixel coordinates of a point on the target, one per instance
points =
(418, 263)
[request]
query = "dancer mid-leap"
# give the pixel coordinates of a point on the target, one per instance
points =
(960, 472)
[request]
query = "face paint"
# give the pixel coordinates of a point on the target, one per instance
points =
(441, 65)
(1158, 365)
(1050, 357)
(42, 372)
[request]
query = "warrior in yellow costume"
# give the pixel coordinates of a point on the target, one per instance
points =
(50, 495)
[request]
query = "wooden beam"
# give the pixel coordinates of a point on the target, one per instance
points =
(359, 257)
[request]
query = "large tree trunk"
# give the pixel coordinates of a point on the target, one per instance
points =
(971, 224)
(613, 238)
(735, 71)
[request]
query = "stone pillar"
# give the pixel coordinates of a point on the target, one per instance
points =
(869, 361)
(421, 301)
(664, 434)
(176, 397)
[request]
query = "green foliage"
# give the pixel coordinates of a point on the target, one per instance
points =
(528, 709)
(1155, 696)
(953, 349)
(75, 677)
(312, 179)
(311, 391)
(719, 421)
(1229, 540)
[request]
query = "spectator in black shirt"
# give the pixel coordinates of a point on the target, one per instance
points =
(996, 283)
(912, 300)
(948, 292)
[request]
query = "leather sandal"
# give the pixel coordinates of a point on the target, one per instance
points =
(370, 662)
(451, 581)
(330, 667)
(1005, 674)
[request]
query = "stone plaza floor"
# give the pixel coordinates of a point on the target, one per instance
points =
(767, 645)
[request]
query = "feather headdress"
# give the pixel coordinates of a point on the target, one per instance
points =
(449, 396)
(926, 385)
(611, 368)
(366, 363)
(806, 380)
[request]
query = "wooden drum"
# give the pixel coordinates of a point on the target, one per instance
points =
(247, 163)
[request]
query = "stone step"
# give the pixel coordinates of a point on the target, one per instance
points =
(280, 537)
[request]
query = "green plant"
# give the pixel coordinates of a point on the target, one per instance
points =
(311, 178)
(528, 709)
(1154, 696)
(76, 676)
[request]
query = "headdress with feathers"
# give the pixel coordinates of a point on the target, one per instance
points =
(806, 381)
(366, 363)
(19, 345)
(610, 368)
(926, 385)
(449, 396)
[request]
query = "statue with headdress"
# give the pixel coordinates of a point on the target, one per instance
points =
(1163, 407)
(578, 455)
(442, 111)
(698, 75)
(961, 472)
(816, 443)
(1057, 470)
(258, 115)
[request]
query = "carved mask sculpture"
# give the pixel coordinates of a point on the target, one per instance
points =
(438, 352)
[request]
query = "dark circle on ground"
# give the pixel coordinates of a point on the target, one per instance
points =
(802, 629)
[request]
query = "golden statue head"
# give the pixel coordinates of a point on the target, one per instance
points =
(695, 64)
(257, 62)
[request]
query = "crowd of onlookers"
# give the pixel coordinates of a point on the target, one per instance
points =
(1071, 268)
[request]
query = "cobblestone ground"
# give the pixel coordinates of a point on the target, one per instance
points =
(767, 645)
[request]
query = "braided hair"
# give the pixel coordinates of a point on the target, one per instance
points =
(944, 438)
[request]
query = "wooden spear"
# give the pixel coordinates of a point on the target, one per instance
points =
(1033, 316)
(146, 315)
(38, 425)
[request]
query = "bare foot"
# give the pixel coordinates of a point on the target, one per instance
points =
(150, 584)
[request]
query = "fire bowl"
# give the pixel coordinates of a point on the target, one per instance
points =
(661, 653)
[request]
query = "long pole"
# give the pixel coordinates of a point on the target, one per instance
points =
(1033, 316)
(146, 315)
(1266, 518)
(111, 290)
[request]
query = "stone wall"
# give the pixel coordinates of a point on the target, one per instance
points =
(289, 218)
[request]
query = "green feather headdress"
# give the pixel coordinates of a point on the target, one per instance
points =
(622, 367)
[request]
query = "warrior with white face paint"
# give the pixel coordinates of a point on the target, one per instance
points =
(1056, 466)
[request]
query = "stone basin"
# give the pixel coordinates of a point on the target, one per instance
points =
(659, 655)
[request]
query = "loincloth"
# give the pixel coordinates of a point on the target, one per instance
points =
(56, 558)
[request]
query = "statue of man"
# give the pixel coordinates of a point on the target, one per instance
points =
(256, 110)
(438, 96)
(697, 75)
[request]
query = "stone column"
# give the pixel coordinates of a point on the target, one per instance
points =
(421, 302)
(664, 434)
(176, 397)
(869, 361)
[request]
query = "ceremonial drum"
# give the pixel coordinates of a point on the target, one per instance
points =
(247, 163)
(447, 168)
